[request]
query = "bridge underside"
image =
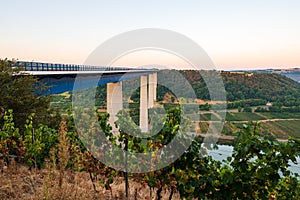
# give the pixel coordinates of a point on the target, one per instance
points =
(63, 83)
(59, 83)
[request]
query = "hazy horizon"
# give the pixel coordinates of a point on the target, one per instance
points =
(237, 35)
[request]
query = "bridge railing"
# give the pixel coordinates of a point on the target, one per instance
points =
(38, 66)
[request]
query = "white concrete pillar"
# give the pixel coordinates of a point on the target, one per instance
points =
(151, 91)
(154, 86)
(143, 104)
(114, 102)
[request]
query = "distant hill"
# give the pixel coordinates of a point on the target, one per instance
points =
(271, 87)
(268, 86)
(293, 73)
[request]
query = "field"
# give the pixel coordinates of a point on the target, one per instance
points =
(61, 101)
(228, 127)
(281, 125)
(281, 115)
(204, 116)
(283, 129)
(243, 116)
(255, 116)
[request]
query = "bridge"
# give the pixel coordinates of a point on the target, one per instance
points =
(61, 78)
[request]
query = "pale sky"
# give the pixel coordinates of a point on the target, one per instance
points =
(235, 34)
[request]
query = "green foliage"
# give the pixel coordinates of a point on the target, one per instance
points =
(32, 144)
(247, 108)
(244, 86)
(257, 169)
(239, 109)
(22, 94)
(261, 109)
(81, 158)
(239, 104)
(100, 96)
(257, 163)
(11, 141)
(38, 143)
(283, 128)
(282, 115)
(243, 116)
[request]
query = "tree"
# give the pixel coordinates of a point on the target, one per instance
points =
(259, 167)
(23, 94)
(240, 109)
(247, 108)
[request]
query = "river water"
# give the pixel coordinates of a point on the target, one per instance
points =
(225, 151)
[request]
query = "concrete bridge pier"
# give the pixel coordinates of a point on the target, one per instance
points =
(114, 102)
(148, 85)
(147, 98)
(151, 91)
(154, 86)
(143, 104)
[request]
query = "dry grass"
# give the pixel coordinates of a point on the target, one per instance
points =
(18, 182)
(21, 183)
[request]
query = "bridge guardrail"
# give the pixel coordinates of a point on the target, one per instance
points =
(39, 66)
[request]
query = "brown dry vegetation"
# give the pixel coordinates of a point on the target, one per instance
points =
(18, 182)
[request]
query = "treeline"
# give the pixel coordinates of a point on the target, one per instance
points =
(242, 89)
(246, 103)
(278, 107)
(245, 86)
(24, 95)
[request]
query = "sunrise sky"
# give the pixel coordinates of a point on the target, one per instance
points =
(235, 34)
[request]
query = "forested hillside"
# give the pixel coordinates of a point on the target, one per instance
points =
(239, 86)
(255, 89)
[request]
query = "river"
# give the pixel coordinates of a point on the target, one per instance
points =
(225, 151)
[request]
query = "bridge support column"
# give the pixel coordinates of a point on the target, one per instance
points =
(114, 102)
(151, 91)
(154, 86)
(143, 104)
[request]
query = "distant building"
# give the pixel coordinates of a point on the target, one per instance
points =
(269, 104)
(242, 72)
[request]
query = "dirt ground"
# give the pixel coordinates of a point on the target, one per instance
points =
(18, 182)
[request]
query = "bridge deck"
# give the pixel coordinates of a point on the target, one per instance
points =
(53, 68)
(61, 77)
(49, 73)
